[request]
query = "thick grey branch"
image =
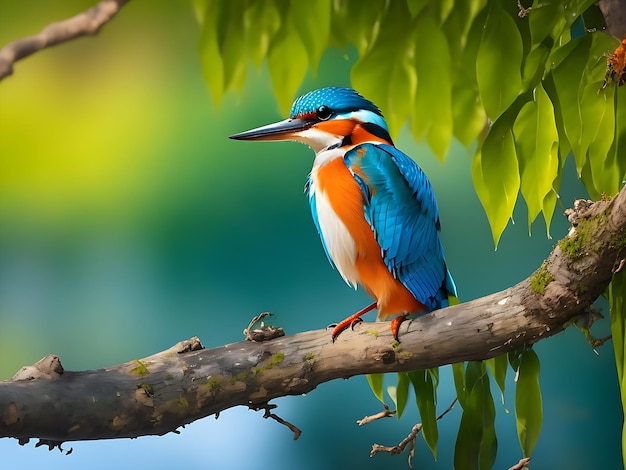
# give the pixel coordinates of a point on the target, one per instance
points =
(614, 12)
(157, 394)
(87, 23)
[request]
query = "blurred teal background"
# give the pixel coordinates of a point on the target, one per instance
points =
(128, 222)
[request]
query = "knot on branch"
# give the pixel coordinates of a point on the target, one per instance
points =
(188, 345)
(581, 209)
(264, 332)
(387, 356)
(47, 368)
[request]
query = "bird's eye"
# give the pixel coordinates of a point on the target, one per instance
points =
(324, 112)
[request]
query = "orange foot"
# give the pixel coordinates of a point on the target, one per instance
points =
(395, 325)
(350, 321)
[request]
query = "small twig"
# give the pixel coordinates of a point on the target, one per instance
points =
(521, 465)
(584, 322)
(619, 266)
(597, 342)
(386, 413)
(265, 332)
(523, 12)
(87, 23)
(399, 448)
(268, 414)
(408, 440)
(448, 409)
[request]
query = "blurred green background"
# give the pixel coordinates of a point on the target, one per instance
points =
(128, 222)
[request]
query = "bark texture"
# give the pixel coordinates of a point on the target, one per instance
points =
(157, 394)
(614, 12)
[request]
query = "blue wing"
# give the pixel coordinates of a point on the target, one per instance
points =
(400, 206)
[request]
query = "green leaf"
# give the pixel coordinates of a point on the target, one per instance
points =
(474, 372)
(528, 407)
(598, 114)
(262, 21)
(615, 158)
(458, 373)
(312, 21)
(617, 306)
(432, 114)
(386, 73)
(597, 136)
(459, 23)
(496, 176)
(210, 54)
(554, 18)
(549, 202)
(442, 9)
(569, 62)
(582, 5)
(498, 64)
(425, 386)
(376, 384)
(402, 393)
(467, 447)
(199, 9)
(476, 443)
(233, 48)
(416, 6)
(537, 143)
(535, 65)
(468, 114)
(498, 366)
(288, 65)
(515, 357)
(548, 19)
(353, 24)
(489, 442)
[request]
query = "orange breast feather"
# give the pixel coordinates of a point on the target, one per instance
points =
(336, 182)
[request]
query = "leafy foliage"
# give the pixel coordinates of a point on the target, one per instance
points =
(478, 70)
(524, 86)
(528, 408)
(476, 443)
(425, 386)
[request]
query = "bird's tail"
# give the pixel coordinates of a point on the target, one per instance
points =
(451, 288)
(447, 294)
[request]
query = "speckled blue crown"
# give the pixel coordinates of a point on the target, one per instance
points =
(340, 100)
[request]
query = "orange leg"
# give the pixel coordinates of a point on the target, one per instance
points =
(351, 320)
(395, 325)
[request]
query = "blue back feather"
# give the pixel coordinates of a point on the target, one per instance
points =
(400, 207)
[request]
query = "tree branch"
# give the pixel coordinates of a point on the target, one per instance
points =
(157, 394)
(87, 23)
(615, 16)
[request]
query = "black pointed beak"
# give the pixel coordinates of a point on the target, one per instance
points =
(282, 130)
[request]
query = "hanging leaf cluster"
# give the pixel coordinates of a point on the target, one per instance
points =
(509, 77)
(476, 443)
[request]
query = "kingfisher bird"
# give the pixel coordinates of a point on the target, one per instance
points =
(373, 206)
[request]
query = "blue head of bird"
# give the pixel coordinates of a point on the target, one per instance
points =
(324, 119)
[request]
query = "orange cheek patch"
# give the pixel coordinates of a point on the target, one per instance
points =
(360, 135)
(337, 127)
